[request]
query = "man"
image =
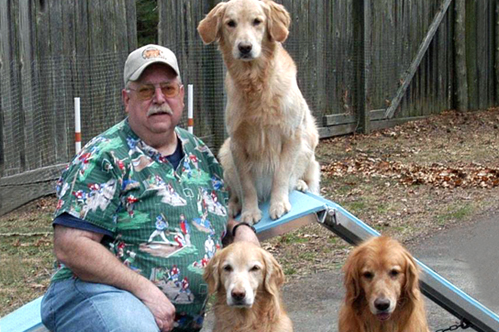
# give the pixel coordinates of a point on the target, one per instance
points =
(109, 203)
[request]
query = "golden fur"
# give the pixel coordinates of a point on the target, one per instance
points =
(272, 134)
(246, 280)
(382, 290)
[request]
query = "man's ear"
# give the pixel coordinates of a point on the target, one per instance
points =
(209, 27)
(182, 95)
(126, 99)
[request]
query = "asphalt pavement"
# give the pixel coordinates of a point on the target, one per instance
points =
(466, 255)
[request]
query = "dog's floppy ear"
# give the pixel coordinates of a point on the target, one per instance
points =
(352, 277)
(274, 279)
(209, 27)
(278, 21)
(411, 286)
(211, 274)
(274, 276)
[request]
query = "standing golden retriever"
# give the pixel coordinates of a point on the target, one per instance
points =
(246, 280)
(382, 290)
(272, 134)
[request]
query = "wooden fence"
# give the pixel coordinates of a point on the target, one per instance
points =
(362, 65)
(50, 52)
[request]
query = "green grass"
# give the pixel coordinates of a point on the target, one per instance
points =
(455, 213)
(293, 238)
(26, 257)
(289, 270)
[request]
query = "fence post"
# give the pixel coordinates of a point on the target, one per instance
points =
(496, 22)
(361, 25)
(460, 45)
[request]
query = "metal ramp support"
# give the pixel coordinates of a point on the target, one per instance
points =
(308, 208)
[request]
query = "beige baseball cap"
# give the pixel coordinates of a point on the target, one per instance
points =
(142, 57)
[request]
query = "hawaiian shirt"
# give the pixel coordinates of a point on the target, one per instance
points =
(166, 223)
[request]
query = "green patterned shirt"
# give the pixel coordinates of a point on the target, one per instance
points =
(166, 223)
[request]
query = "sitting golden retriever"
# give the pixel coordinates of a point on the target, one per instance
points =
(246, 280)
(382, 290)
(272, 134)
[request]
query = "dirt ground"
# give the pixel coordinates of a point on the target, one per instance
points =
(409, 182)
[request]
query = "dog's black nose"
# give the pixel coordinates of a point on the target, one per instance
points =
(238, 295)
(382, 304)
(244, 48)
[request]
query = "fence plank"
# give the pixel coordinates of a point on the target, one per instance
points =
(10, 163)
(460, 45)
(496, 30)
(43, 67)
(471, 53)
(61, 81)
(362, 21)
(30, 156)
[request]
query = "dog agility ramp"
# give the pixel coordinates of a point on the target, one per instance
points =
(306, 209)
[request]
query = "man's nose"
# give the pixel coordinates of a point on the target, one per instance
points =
(159, 97)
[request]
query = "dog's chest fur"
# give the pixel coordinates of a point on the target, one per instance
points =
(264, 110)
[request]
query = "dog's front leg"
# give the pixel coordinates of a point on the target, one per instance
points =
(279, 197)
(250, 212)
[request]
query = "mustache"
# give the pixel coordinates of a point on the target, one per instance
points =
(159, 109)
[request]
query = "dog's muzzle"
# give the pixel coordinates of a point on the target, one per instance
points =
(245, 51)
(382, 306)
(239, 299)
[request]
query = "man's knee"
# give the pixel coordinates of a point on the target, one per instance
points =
(125, 312)
(74, 305)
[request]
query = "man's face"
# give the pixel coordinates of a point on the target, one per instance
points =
(151, 117)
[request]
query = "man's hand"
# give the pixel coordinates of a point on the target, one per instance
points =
(160, 306)
(83, 253)
(243, 233)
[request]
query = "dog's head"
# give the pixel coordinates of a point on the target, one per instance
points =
(245, 26)
(242, 272)
(383, 275)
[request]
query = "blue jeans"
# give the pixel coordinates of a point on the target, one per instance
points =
(74, 305)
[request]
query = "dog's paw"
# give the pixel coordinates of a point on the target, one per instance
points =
(301, 186)
(278, 209)
(251, 216)
(234, 208)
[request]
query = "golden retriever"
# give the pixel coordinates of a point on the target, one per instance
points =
(246, 280)
(382, 290)
(272, 134)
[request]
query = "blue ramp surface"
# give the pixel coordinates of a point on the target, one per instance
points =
(27, 318)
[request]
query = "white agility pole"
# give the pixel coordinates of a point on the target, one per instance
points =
(77, 126)
(190, 108)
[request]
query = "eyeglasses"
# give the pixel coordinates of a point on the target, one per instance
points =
(147, 91)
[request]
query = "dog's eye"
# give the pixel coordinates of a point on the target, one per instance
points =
(231, 23)
(368, 275)
(228, 268)
(255, 268)
(257, 21)
(394, 273)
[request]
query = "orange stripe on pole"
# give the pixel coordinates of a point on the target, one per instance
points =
(190, 122)
(78, 137)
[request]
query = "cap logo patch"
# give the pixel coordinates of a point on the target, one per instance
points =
(151, 53)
